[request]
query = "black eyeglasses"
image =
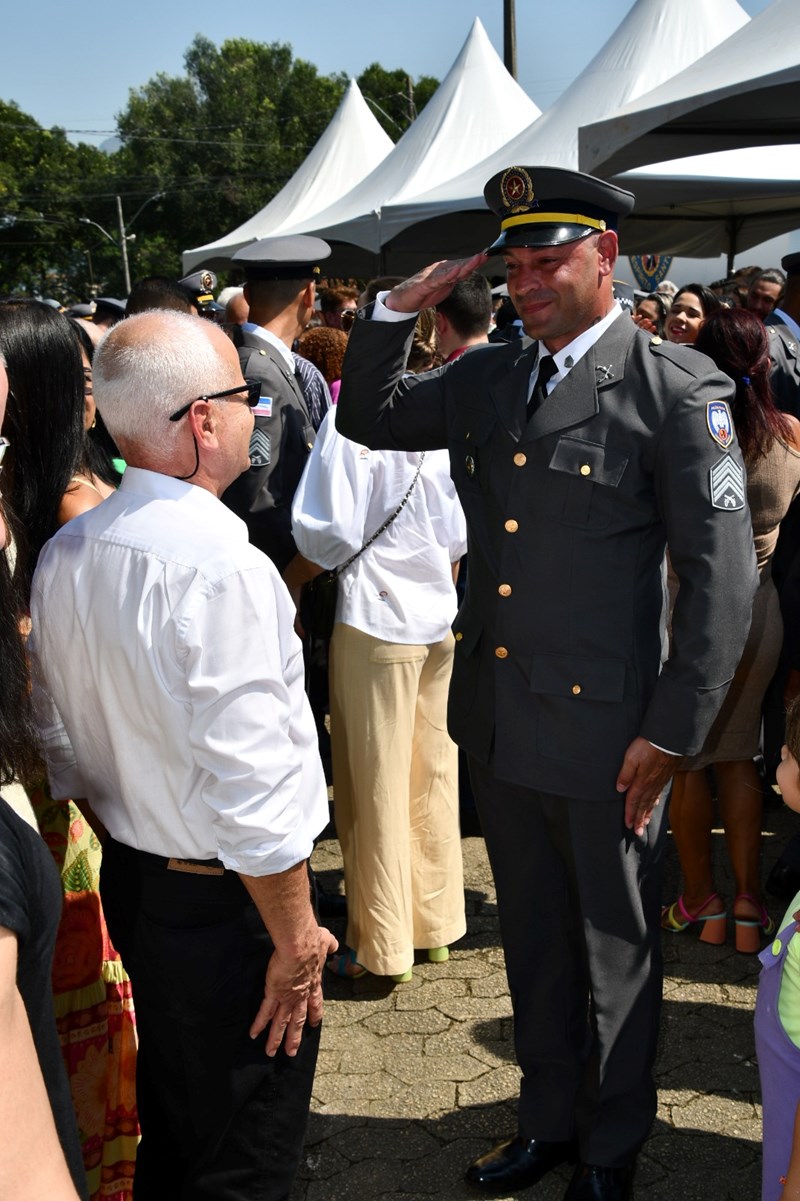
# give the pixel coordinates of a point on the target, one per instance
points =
(251, 386)
(347, 318)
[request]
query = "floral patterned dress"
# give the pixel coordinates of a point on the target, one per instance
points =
(93, 1005)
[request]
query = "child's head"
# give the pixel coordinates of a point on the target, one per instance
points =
(788, 773)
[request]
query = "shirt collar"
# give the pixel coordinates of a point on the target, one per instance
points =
(568, 356)
(266, 335)
(153, 485)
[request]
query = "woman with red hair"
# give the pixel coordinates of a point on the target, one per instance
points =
(770, 441)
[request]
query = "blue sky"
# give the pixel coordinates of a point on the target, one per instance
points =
(74, 66)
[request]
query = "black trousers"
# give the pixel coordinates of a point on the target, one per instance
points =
(219, 1119)
(579, 900)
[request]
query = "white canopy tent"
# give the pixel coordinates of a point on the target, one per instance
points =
(744, 92)
(476, 108)
(353, 144)
(655, 40)
(713, 204)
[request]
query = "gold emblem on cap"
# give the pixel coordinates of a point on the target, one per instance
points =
(206, 281)
(516, 189)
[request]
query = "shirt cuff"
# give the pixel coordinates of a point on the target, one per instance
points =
(663, 749)
(381, 313)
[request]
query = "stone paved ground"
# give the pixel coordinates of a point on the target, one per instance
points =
(414, 1080)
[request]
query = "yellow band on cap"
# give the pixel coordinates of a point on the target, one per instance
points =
(552, 219)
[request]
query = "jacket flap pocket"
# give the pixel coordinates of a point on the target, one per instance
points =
(581, 678)
(591, 461)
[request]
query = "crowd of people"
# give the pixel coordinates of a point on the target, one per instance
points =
(304, 533)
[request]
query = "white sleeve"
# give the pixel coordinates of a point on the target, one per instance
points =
(381, 313)
(251, 730)
(330, 505)
(66, 780)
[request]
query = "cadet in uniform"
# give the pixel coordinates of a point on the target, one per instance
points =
(576, 460)
(280, 290)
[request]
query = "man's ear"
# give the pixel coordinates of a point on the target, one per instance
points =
(310, 294)
(441, 323)
(203, 419)
(607, 251)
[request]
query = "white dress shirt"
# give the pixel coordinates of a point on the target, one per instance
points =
(401, 588)
(165, 643)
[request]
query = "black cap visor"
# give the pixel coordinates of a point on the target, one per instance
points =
(539, 235)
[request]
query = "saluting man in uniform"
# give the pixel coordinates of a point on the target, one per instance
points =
(577, 460)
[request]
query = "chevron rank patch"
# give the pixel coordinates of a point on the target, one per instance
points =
(260, 445)
(726, 479)
(720, 423)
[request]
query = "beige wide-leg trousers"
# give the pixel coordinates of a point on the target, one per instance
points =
(395, 788)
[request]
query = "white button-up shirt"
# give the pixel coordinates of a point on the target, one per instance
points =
(164, 642)
(401, 588)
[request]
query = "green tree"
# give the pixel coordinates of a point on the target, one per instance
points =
(218, 142)
(46, 184)
(394, 97)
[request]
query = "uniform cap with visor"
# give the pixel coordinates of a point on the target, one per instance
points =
(547, 206)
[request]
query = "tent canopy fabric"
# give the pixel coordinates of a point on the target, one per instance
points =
(713, 203)
(656, 39)
(744, 92)
(353, 144)
(476, 108)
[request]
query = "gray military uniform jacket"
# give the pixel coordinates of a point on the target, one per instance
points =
(785, 374)
(279, 447)
(558, 648)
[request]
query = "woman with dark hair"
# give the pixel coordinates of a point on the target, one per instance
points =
(48, 480)
(102, 459)
(44, 419)
(39, 1148)
(691, 307)
(770, 441)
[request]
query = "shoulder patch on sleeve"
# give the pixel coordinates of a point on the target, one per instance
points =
(726, 481)
(719, 422)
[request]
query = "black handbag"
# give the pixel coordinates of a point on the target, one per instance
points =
(319, 596)
(318, 604)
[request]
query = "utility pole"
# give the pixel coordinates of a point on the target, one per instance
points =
(123, 241)
(510, 37)
(412, 108)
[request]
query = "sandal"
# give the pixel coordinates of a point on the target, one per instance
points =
(750, 931)
(346, 965)
(676, 918)
(438, 954)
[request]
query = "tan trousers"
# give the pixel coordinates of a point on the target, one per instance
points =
(395, 787)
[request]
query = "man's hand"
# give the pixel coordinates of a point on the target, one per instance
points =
(431, 285)
(293, 991)
(644, 773)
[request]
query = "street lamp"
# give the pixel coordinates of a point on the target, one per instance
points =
(124, 237)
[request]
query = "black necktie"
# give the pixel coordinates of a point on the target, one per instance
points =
(547, 369)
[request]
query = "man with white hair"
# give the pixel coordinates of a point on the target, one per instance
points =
(199, 759)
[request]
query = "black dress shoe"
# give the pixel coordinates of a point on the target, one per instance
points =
(593, 1183)
(518, 1163)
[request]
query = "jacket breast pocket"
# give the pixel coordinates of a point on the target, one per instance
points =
(470, 449)
(583, 475)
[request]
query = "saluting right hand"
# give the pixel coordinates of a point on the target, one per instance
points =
(432, 284)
